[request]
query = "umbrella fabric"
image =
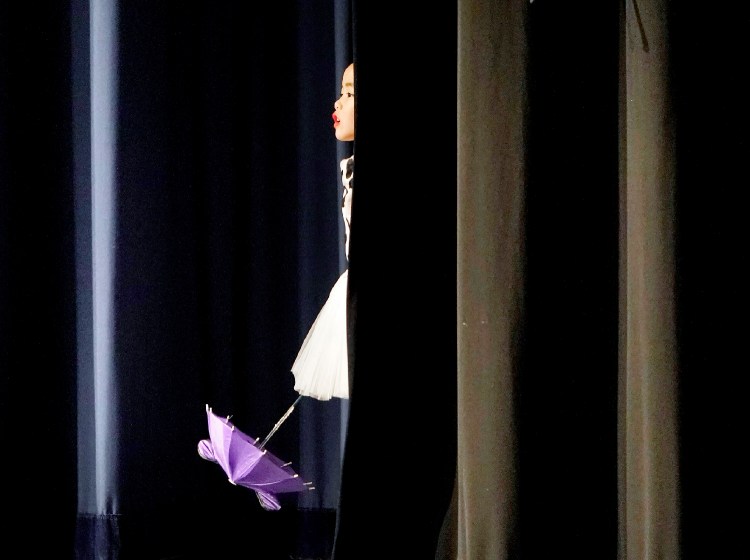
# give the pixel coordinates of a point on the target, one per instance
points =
(247, 464)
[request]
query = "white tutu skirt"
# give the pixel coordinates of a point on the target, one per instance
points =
(321, 369)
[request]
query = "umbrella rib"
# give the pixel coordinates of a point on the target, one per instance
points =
(274, 483)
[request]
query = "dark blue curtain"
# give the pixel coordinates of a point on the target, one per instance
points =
(169, 227)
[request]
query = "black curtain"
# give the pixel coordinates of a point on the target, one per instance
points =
(37, 279)
(399, 461)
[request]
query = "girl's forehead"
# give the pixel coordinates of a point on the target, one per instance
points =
(348, 78)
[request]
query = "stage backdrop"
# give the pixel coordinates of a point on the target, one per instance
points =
(547, 271)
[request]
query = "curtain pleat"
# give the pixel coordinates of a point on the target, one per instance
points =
(329, 41)
(648, 459)
(491, 180)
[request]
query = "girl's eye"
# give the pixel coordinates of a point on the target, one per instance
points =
(349, 94)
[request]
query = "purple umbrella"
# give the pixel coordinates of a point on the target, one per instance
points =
(248, 464)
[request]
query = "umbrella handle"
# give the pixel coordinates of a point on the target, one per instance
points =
(279, 423)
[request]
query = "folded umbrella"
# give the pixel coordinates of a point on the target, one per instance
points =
(248, 464)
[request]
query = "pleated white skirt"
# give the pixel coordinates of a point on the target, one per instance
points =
(321, 368)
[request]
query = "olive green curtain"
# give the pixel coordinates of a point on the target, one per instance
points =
(600, 280)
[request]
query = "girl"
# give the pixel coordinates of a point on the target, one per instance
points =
(321, 368)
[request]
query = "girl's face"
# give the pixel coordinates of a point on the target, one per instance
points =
(343, 116)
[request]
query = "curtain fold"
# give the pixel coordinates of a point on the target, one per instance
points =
(399, 457)
(648, 460)
(491, 180)
(320, 455)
